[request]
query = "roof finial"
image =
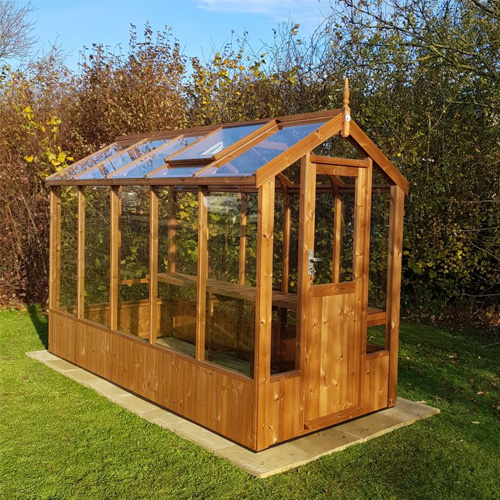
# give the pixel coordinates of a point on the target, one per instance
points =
(346, 93)
(346, 111)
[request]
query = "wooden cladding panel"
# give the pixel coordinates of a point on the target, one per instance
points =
(375, 383)
(284, 408)
(171, 380)
(331, 374)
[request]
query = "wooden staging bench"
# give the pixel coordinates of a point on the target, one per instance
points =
(244, 292)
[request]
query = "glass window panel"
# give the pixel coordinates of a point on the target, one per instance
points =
(97, 238)
(217, 142)
(122, 159)
(133, 305)
(68, 249)
(230, 314)
(93, 159)
(379, 245)
(248, 162)
(324, 236)
(284, 344)
(178, 255)
(175, 172)
(156, 158)
(375, 338)
(347, 238)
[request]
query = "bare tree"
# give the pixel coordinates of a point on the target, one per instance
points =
(16, 29)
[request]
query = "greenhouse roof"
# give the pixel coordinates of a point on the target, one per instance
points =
(245, 153)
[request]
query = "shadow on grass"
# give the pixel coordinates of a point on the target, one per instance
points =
(40, 324)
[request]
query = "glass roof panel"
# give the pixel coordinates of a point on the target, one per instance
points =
(269, 148)
(216, 142)
(122, 159)
(175, 172)
(156, 158)
(93, 159)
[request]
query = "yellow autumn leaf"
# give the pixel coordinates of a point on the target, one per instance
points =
(29, 159)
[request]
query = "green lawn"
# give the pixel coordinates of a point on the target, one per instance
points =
(60, 440)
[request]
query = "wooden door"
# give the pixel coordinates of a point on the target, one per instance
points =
(332, 334)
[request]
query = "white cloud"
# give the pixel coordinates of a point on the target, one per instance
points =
(273, 8)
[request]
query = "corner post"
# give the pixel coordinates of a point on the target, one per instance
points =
(114, 260)
(202, 273)
(55, 249)
(393, 305)
(263, 312)
(153, 265)
(362, 222)
(80, 251)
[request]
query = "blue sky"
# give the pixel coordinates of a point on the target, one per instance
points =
(198, 24)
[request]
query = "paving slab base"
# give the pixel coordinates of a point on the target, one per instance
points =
(274, 460)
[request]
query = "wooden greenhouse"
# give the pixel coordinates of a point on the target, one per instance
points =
(245, 276)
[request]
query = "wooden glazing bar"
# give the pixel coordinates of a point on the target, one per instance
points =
(335, 170)
(339, 162)
(263, 311)
(55, 249)
(153, 265)
(243, 239)
(168, 133)
(222, 183)
(114, 257)
(202, 274)
(394, 287)
(80, 254)
(288, 119)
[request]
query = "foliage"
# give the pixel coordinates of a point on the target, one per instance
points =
(62, 440)
(16, 39)
(424, 84)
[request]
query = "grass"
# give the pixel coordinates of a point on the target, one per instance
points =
(61, 441)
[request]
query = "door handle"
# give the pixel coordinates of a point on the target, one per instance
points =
(312, 260)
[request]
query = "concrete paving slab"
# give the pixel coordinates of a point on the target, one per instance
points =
(410, 412)
(268, 462)
(42, 355)
(109, 390)
(371, 426)
(168, 420)
(61, 365)
(135, 404)
(326, 442)
(82, 376)
(203, 437)
(274, 460)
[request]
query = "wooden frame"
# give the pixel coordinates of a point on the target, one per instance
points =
(336, 375)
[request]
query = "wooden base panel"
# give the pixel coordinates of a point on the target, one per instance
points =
(218, 399)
